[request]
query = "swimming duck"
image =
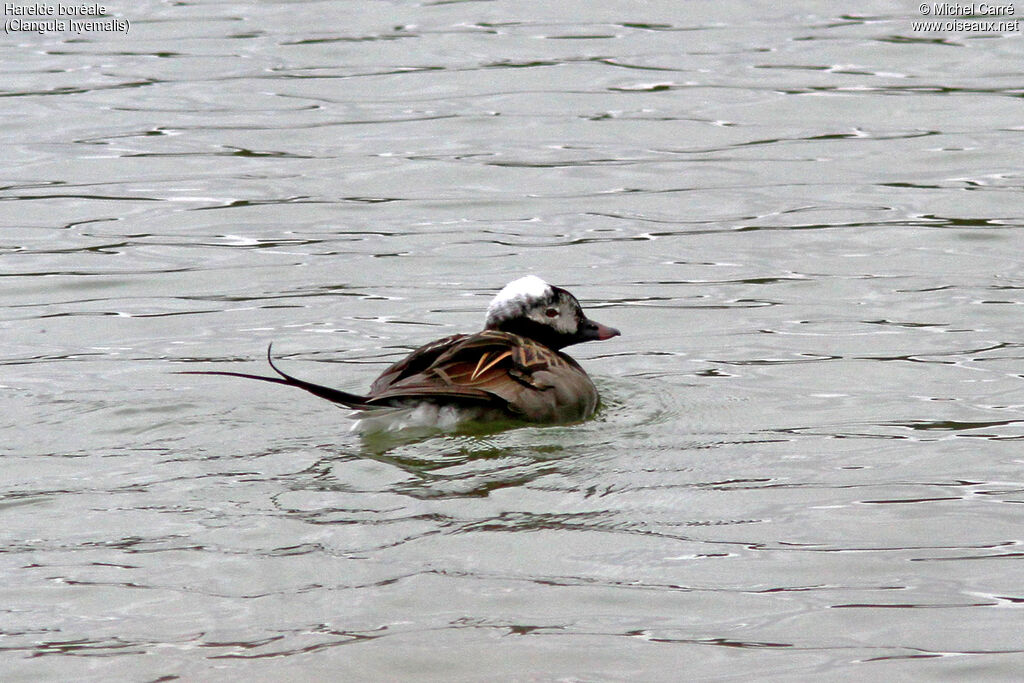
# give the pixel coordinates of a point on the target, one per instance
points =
(512, 369)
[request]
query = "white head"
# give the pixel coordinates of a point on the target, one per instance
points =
(551, 315)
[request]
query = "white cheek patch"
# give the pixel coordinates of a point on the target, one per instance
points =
(564, 322)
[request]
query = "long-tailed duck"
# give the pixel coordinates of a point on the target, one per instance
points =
(512, 369)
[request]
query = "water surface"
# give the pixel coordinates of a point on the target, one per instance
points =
(803, 221)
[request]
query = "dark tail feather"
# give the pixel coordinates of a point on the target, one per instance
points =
(353, 401)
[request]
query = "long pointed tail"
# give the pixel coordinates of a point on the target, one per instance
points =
(354, 401)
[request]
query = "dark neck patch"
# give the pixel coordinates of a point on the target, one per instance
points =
(538, 332)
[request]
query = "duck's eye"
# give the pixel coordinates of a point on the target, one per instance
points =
(551, 313)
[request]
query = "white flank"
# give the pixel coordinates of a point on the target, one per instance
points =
(419, 415)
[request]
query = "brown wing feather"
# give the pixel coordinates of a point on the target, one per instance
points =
(416, 362)
(497, 368)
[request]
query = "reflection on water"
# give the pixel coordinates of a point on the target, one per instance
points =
(806, 463)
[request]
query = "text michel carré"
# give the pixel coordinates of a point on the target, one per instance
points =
(41, 10)
(969, 9)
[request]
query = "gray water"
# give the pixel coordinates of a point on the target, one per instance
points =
(803, 219)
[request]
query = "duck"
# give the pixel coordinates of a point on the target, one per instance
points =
(514, 369)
